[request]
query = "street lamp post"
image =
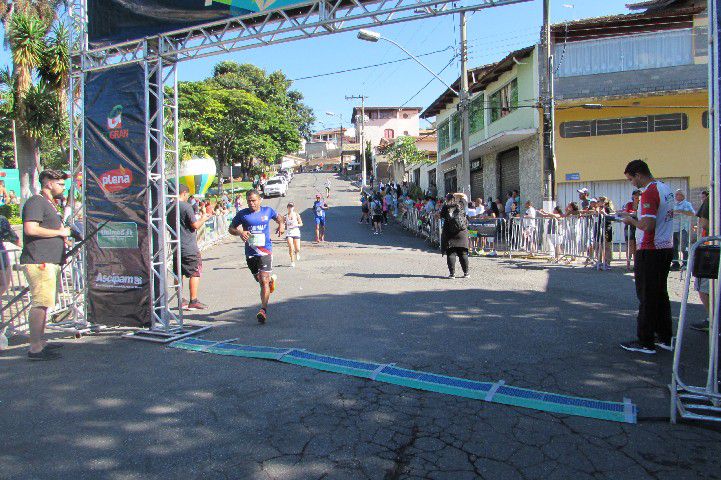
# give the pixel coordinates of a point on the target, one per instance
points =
(371, 36)
(340, 117)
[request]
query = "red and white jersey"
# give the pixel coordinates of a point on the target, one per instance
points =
(656, 202)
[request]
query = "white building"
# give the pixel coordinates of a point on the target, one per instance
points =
(386, 122)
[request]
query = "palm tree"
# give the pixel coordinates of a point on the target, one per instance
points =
(38, 109)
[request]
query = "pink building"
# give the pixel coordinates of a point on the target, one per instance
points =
(386, 123)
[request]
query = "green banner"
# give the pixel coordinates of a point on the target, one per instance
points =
(118, 235)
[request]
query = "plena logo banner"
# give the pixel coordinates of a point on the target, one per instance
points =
(116, 180)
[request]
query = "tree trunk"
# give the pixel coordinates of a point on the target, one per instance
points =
(28, 163)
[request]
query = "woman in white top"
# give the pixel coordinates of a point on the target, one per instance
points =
(293, 222)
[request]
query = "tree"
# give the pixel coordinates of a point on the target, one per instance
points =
(36, 107)
(405, 150)
(242, 116)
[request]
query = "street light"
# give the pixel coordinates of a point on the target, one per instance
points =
(371, 36)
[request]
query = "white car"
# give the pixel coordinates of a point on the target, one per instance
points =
(275, 186)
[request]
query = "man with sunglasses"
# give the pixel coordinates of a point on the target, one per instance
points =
(654, 243)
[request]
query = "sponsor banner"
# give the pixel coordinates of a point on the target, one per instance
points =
(116, 21)
(118, 235)
(116, 190)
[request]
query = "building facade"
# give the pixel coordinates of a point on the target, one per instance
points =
(386, 123)
(632, 86)
(505, 145)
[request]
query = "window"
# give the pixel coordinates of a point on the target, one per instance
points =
(476, 114)
(621, 126)
(504, 101)
(700, 41)
(405, 132)
(405, 115)
(432, 179)
(389, 134)
(382, 114)
(627, 53)
(444, 139)
(455, 128)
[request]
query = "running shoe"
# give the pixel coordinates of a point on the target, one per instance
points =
(43, 355)
(452, 276)
(262, 315)
(466, 275)
(196, 305)
(184, 304)
(297, 257)
(273, 281)
(665, 346)
(635, 346)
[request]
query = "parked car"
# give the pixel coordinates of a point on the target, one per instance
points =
(275, 186)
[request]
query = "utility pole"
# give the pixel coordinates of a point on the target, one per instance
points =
(341, 144)
(465, 177)
(549, 150)
(362, 142)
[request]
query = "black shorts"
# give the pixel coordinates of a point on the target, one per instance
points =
(260, 264)
(377, 218)
(191, 265)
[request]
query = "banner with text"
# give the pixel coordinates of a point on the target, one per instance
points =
(116, 21)
(116, 190)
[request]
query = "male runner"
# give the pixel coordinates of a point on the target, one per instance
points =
(319, 208)
(327, 188)
(252, 224)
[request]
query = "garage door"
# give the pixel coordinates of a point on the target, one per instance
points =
(509, 179)
(619, 191)
(450, 181)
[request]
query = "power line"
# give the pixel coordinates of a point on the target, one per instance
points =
(337, 72)
(429, 82)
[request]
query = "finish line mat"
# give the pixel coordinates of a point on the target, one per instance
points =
(496, 392)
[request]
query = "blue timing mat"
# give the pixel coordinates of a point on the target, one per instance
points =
(497, 392)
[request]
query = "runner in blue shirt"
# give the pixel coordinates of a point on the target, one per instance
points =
(319, 208)
(252, 224)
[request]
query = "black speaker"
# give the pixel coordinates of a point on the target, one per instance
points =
(706, 262)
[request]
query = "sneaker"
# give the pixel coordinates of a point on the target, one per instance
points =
(664, 346)
(43, 355)
(184, 304)
(196, 305)
(297, 257)
(273, 281)
(262, 315)
(452, 275)
(292, 264)
(700, 326)
(635, 346)
(466, 275)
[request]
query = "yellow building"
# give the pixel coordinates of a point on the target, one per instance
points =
(627, 87)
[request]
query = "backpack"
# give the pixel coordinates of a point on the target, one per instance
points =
(377, 208)
(456, 221)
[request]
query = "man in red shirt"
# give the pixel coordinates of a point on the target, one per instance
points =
(654, 240)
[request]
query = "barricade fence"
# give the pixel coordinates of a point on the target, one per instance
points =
(67, 315)
(594, 239)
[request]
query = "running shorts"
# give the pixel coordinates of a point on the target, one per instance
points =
(320, 221)
(292, 233)
(259, 264)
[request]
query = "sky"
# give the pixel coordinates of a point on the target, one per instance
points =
(492, 33)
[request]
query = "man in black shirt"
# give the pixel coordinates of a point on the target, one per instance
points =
(43, 251)
(191, 264)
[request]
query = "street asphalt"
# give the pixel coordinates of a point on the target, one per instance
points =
(113, 408)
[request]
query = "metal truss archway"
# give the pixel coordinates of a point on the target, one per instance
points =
(160, 55)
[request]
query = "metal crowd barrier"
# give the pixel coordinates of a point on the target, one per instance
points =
(421, 224)
(214, 231)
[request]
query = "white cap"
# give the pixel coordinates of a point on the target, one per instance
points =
(582, 190)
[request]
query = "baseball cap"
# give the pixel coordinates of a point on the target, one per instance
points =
(636, 192)
(317, 195)
(582, 190)
(53, 175)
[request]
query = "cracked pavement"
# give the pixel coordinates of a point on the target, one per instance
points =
(118, 409)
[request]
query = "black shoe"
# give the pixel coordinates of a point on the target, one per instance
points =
(664, 346)
(452, 275)
(196, 305)
(700, 326)
(53, 346)
(43, 355)
(635, 346)
(262, 316)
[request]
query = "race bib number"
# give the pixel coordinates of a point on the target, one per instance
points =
(256, 240)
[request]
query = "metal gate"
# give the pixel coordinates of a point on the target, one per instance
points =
(508, 171)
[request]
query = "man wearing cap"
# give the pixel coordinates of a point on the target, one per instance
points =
(43, 252)
(683, 212)
(583, 198)
(319, 208)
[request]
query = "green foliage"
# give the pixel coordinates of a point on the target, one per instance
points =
(415, 192)
(12, 213)
(405, 150)
(26, 36)
(242, 116)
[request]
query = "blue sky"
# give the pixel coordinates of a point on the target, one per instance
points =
(492, 33)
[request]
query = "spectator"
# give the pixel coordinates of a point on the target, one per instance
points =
(508, 209)
(629, 230)
(555, 230)
(683, 212)
(4, 196)
(585, 202)
(653, 260)
(43, 252)
(6, 235)
(387, 205)
(529, 227)
(517, 197)
(13, 198)
(377, 209)
(454, 234)
(605, 209)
